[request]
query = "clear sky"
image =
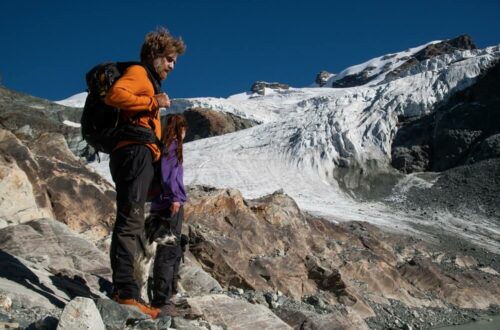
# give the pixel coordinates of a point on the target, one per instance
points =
(48, 46)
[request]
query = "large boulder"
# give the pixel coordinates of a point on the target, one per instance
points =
(17, 202)
(61, 185)
(204, 123)
(66, 254)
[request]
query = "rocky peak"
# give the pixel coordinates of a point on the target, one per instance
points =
(322, 78)
(462, 42)
(260, 86)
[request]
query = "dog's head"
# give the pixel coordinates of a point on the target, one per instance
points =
(157, 229)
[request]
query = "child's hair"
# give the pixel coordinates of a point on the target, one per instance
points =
(173, 131)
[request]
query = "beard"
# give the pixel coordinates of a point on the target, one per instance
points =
(160, 68)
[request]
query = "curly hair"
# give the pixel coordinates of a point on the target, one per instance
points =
(161, 43)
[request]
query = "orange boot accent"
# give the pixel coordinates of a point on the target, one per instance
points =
(143, 307)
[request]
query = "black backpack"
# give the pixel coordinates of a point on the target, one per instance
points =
(101, 124)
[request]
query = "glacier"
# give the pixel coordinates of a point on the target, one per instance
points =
(322, 145)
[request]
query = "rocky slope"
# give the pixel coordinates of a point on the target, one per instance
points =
(463, 130)
(29, 116)
(260, 262)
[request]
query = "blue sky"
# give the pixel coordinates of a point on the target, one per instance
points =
(47, 46)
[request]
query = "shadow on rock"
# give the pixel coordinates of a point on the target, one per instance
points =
(13, 270)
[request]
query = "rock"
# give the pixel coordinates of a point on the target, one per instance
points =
(184, 324)
(47, 323)
(194, 280)
(488, 148)
(116, 316)
(445, 47)
(9, 325)
(29, 285)
(30, 116)
(465, 261)
(462, 42)
(230, 313)
(61, 186)
(5, 302)
(461, 131)
(260, 86)
(302, 319)
(17, 204)
(79, 314)
(322, 78)
(205, 123)
(53, 245)
(449, 287)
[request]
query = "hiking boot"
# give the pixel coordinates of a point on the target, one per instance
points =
(141, 305)
(168, 310)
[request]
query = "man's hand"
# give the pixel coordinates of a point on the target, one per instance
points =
(174, 208)
(163, 100)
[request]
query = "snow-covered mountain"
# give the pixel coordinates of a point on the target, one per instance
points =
(321, 144)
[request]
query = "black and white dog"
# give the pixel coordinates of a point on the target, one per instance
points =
(157, 231)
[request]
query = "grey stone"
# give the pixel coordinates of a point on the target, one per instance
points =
(233, 313)
(194, 280)
(68, 255)
(488, 148)
(116, 316)
(81, 314)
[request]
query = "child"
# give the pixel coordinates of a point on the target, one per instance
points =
(168, 208)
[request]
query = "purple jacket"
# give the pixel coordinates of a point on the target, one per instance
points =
(172, 180)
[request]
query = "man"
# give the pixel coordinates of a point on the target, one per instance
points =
(137, 94)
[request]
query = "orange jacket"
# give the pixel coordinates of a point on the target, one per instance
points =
(133, 93)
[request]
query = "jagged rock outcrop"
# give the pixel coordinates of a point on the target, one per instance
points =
(205, 123)
(322, 78)
(260, 86)
(268, 244)
(463, 42)
(464, 130)
(29, 117)
(61, 186)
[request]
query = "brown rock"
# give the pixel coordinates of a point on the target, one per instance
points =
(268, 244)
(61, 184)
(205, 123)
(17, 201)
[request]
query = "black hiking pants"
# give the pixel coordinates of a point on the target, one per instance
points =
(167, 262)
(132, 171)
